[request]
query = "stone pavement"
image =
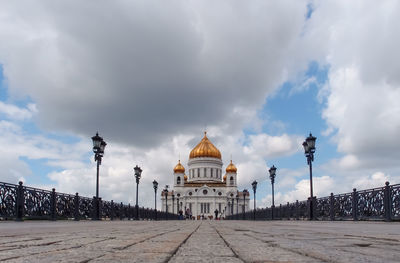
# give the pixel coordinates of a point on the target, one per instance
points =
(199, 241)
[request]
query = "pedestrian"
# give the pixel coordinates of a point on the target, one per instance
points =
(216, 214)
(180, 214)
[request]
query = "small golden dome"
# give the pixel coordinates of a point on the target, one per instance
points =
(231, 168)
(185, 177)
(205, 148)
(224, 177)
(179, 168)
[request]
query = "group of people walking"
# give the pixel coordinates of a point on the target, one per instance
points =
(188, 215)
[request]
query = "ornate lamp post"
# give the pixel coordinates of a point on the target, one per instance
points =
(98, 148)
(244, 203)
(254, 185)
(237, 205)
(166, 201)
(173, 201)
(177, 203)
(272, 174)
(138, 175)
(309, 150)
(155, 186)
(232, 205)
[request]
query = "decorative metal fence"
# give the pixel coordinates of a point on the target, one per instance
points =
(19, 202)
(382, 203)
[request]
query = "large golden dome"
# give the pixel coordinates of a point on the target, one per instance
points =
(179, 168)
(205, 148)
(231, 168)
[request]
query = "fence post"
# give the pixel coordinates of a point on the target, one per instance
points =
(288, 211)
(95, 208)
(297, 210)
(332, 207)
(53, 205)
(272, 212)
(314, 208)
(19, 204)
(121, 212)
(76, 207)
(112, 210)
(387, 200)
(100, 208)
(355, 201)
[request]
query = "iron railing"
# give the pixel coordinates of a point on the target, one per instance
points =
(382, 203)
(20, 202)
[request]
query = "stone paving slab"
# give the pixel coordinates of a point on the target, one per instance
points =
(199, 241)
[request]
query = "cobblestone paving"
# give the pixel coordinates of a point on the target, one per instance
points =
(199, 241)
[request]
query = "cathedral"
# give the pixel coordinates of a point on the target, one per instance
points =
(202, 189)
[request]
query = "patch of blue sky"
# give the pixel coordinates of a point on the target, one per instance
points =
(5, 96)
(40, 169)
(310, 10)
(299, 113)
(3, 85)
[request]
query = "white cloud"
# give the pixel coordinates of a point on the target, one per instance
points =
(377, 179)
(152, 69)
(322, 186)
(17, 113)
(265, 145)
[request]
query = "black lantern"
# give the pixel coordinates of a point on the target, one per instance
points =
(96, 142)
(138, 175)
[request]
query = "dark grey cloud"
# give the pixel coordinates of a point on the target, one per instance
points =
(142, 71)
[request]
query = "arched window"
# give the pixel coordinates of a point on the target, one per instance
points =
(212, 174)
(198, 172)
(231, 180)
(178, 180)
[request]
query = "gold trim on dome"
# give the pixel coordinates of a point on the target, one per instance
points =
(179, 168)
(231, 168)
(205, 148)
(185, 177)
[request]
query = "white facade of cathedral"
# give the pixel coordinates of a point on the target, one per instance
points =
(203, 189)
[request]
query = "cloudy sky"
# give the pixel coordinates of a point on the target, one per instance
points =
(151, 76)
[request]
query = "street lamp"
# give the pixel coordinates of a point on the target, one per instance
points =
(232, 205)
(237, 205)
(98, 148)
(177, 203)
(272, 174)
(229, 205)
(138, 175)
(254, 185)
(244, 203)
(155, 186)
(309, 150)
(173, 201)
(166, 201)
